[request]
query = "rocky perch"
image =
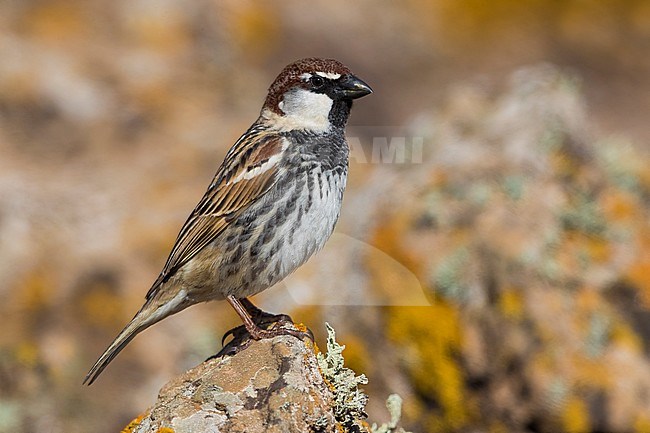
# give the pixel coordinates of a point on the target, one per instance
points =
(276, 385)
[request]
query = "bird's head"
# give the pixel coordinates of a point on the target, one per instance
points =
(313, 94)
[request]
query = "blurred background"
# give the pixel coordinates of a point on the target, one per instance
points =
(498, 280)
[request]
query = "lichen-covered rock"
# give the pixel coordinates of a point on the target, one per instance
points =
(272, 385)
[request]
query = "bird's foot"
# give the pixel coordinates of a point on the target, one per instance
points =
(262, 319)
(258, 325)
(242, 337)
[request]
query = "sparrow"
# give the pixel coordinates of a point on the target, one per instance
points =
(272, 204)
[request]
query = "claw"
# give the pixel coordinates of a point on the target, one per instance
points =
(232, 348)
(233, 331)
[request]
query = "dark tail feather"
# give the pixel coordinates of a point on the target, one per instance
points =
(142, 320)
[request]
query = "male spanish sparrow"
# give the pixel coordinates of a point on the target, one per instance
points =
(272, 204)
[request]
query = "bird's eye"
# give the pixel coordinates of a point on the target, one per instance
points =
(317, 81)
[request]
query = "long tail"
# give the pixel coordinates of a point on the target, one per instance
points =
(147, 316)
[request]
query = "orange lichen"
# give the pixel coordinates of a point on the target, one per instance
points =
(433, 337)
(133, 424)
(36, 291)
(564, 165)
(588, 299)
(27, 354)
(254, 29)
(511, 303)
(438, 179)
(498, 427)
(642, 424)
(619, 206)
(637, 273)
(589, 371)
(56, 21)
(575, 416)
(624, 336)
(102, 307)
(579, 249)
(309, 343)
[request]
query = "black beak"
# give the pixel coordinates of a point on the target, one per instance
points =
(352, 87)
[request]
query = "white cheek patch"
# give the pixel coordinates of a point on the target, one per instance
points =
(305, 110)
(329, 75)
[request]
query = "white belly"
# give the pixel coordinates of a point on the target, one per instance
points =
(304, 236)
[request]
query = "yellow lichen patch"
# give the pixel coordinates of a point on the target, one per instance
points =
(575, 417)
(165, 430)
(254, 29)
(498, 427)
(437, 180)
(27, 354)
(564, 165)
(637, 273)
(431, 336)
(579, 249)
(625, 337)
(55, 21)
(588, 299)
(511, 304)
(102, 307)
(315, 348)
(597, 248)
(36, 292)
(309, 343)
(589, 371)
(642, 424)
(133, 424)
(619, 206)
(301, 327)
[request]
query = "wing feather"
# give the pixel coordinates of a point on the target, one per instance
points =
(250, 169)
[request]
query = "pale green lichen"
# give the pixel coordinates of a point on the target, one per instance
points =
(449, 275)
(584, 215)
(394, 406)
(9, 415)
(349, 400)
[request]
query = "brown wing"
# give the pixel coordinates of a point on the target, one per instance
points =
(250, 169)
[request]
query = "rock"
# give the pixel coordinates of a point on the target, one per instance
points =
(273, 385)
